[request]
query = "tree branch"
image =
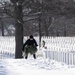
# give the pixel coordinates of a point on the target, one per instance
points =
(31, 19)
(5, 10)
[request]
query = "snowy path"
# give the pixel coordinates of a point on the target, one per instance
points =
(29, 66)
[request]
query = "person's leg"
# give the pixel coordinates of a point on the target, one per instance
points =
(26, 56)
(34, 55)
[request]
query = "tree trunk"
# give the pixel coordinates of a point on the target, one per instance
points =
(46, 28)
(65, 31)
(2, 28)
(19, 30)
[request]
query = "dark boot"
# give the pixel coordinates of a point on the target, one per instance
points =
(26, 56)
(34, 56)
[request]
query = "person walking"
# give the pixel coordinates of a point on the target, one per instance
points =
(30, 46)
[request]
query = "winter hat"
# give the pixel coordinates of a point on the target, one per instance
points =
(31, 36)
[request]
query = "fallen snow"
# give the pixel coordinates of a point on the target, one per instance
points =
(33, 66)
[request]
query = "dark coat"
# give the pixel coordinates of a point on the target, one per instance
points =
(30, 42)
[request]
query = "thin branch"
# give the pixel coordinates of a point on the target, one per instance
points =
(8, 13)
(31, 19)
(25, 3)
(4, 8)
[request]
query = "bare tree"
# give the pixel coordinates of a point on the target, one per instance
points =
(18, 26)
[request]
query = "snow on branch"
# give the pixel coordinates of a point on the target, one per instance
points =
(31, 19)
(19, 22)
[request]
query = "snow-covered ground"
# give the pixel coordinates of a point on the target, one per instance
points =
(34, 67)
(31, 66)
